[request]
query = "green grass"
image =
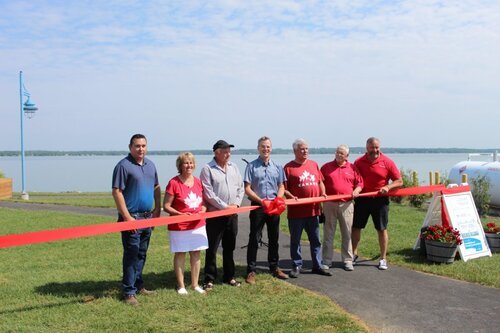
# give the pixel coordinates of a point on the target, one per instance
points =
(404, 226)
(87, 199)
(74, 286)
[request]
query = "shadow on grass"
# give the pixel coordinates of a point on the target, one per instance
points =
(37, 307)
(411, 256)
(85, 289)
(90, 290)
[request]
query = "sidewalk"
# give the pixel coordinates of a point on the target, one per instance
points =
(396, 300)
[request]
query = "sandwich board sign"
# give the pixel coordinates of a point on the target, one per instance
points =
(459, 208)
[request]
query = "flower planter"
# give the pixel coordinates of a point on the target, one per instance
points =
(5, 188)
(440, 252)
(493, 242)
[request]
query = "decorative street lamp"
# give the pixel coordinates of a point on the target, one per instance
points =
(28, 109)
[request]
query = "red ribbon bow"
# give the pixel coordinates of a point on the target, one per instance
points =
(274, 207)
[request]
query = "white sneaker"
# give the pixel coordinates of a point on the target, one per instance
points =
(182, 291)
(348, 266)
(323, 266)
(200, 290)
(382, 264)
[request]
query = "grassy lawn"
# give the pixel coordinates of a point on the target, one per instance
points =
(404, 226)
(85, 199)
(74, 286)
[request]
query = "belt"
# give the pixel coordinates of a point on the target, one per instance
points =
(141, 214)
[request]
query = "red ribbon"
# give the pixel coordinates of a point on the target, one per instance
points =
(275, 206)
(393, 193)
(99, 229)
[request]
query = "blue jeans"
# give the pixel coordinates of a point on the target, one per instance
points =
(135, 247)
(311, 224)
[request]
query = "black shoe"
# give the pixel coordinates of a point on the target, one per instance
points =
(234, 283)
(295, 272)
(355, 259)
(321, 271)
(208, 285)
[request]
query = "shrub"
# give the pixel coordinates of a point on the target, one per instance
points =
(407, 182)
(416, 200)
(1, 174)
(481, 193)
(445, 180)
(410, 181)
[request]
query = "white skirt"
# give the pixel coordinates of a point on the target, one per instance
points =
(188, 240)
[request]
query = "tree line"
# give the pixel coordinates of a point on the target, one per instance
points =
(353, 150)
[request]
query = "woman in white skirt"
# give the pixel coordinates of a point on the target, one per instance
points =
(183, 196)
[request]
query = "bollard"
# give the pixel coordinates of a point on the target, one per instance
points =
(414, 176)
(464, 178)
(430, 178)
(437, 178)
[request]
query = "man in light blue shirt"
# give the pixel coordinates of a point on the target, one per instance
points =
(222, 189)
(264, 179)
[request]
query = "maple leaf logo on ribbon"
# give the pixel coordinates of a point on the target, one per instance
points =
(192, 200)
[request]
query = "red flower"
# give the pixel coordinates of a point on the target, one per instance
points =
(492, 228)
(443, 234)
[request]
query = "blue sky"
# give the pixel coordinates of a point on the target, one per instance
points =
(186, 73)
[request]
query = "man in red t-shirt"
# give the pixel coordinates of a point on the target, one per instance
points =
(304, 180)
(377, 171)
(341, 177)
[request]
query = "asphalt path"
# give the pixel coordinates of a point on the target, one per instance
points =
(396, 300)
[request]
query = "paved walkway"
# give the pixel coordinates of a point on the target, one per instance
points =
(396, 300)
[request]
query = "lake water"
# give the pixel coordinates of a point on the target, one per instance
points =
(93, 173)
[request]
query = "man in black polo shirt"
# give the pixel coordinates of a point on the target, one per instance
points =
(135, 191)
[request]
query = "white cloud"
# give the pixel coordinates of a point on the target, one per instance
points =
(391, 69)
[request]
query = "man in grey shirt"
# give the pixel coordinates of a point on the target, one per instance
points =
(222, 189)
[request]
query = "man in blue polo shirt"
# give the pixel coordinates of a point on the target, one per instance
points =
(264, 179)
(135, 191)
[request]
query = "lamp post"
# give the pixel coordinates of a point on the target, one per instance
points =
(27, 109)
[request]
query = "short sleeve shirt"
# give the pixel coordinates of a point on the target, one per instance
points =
(137, 183)
(377, 174)
(186, 200)
(264, 179)
(303, 182)
(221, 187)
(341, 179)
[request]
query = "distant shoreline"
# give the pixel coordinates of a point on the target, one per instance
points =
(353, 150)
